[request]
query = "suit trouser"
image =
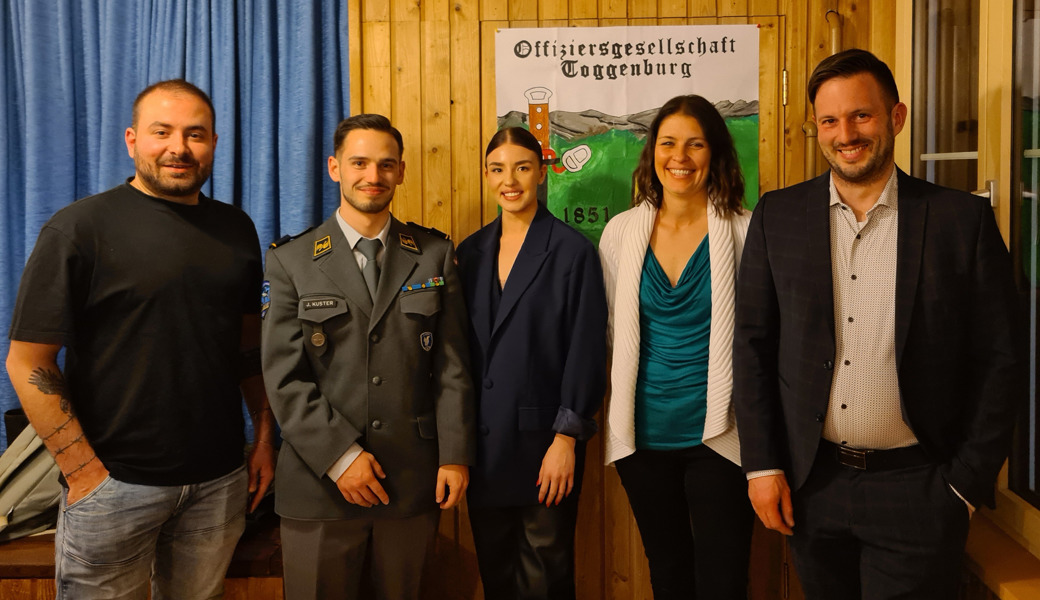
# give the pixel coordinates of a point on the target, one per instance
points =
(526, 552)
(687, 499)
(323, 560)
(875, 535)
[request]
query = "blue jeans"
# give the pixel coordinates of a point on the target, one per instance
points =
(120, 536)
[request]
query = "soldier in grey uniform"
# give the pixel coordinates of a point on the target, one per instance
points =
(365, 360)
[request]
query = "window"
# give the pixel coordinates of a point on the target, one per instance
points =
(945, 106)
(1024, 466)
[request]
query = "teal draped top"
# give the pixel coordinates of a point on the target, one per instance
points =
(674, 328)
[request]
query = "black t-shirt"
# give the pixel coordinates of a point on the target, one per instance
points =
(148, 297)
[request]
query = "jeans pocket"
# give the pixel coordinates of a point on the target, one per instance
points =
(112, 526)
(97, 489)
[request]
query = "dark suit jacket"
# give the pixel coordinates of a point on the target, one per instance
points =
(957, 361)
(389, 374)
(540, 367)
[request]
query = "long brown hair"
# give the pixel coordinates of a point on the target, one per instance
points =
(725, 181)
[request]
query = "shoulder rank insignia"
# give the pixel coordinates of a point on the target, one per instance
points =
(322, 246)
(408, 243)
(429, 230)
(287, 238)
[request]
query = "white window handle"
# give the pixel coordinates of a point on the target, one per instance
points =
(990, 191)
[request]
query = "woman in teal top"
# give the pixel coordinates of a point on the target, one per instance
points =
(674, 325)
(670, 265)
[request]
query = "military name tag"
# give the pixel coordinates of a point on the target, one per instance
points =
(324, 303)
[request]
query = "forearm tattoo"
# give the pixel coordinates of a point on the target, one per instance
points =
(81, 467)
(67, 446)
(51, 383)
(57, 430)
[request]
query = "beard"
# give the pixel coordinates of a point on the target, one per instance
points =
(369, 206)
(876, 165)
(172, 184)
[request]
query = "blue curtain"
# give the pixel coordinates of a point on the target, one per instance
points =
(277, 71)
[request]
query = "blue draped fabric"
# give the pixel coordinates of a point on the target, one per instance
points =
(278, 74)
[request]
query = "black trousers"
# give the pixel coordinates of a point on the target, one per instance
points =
(526, 552)
(693, 513)
(876, 535)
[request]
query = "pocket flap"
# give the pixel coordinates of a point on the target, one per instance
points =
(318, 309)
(422, 302)
(427, 427)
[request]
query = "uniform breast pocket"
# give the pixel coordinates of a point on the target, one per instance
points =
(421, 304)
(321, 314)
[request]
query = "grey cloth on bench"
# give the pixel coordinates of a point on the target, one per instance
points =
(29, 487)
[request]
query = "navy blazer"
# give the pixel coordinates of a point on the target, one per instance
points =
(540, 367)
(958, 360)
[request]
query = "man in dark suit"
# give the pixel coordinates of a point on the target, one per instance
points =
(365, 356)
(875, 361)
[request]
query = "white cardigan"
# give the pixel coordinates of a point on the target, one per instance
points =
(622, 250)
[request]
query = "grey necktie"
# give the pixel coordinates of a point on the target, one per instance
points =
(369, 249)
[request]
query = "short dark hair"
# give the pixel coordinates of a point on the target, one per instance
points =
(514, 135)
(366, 121)
(725, 181)
(176, 86)
(853, 62)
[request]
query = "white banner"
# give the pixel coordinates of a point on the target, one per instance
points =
(589, 94)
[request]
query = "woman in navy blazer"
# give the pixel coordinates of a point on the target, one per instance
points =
(538, 318)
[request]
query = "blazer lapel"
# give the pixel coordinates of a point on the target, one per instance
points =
(818, 229)
(528, 262)
(487, 253)
(341, 267)
(913, 210)
(398, 264)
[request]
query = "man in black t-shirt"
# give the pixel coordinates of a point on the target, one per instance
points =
(151, 288)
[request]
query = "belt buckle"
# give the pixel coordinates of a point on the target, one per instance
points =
(851, 457)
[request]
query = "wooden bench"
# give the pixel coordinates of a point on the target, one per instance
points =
(27, 565)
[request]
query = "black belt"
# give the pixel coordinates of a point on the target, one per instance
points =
(874, 460)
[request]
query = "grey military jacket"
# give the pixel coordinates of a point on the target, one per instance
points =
(390, 374)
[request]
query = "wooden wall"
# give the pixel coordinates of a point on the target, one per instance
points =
(429, 66)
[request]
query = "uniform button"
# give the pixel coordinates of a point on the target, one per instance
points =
(847, 363)
(828, 365)
(374, 337)
(854, 278)
(851, 319)
(488, 384)
(377, 380)
(484, 430)
(844, 406)
(819, 417)
(377, 424)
